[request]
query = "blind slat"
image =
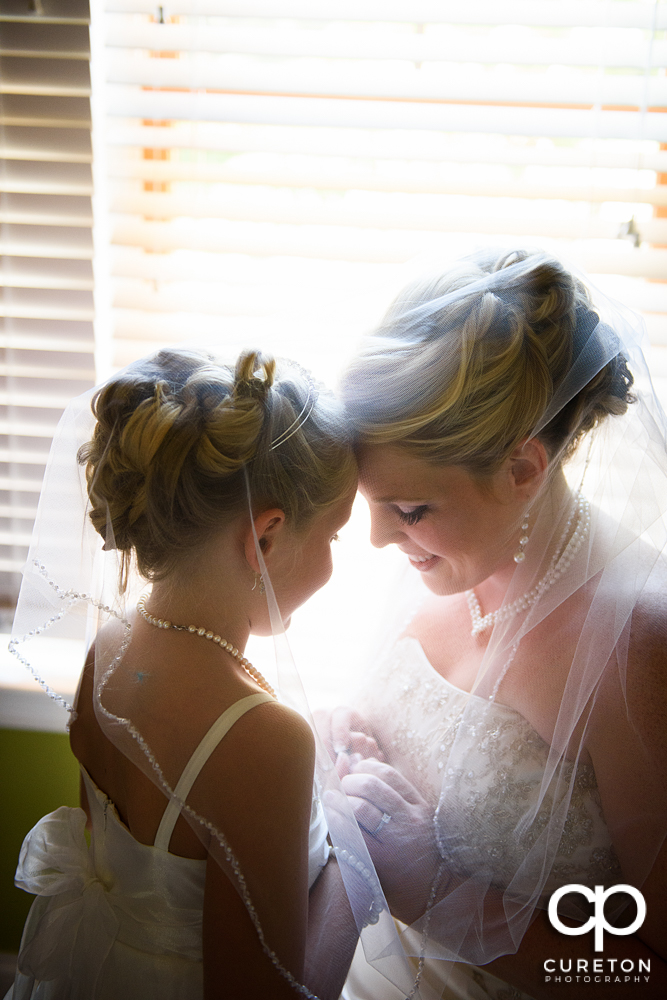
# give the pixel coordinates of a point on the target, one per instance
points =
(20, 513)
(45, 144)
(32, 400)
(587, 48)
(50, 40)
(44, 111)
(15, 538)
(201, 137)
(518, 219)
(553, 13)
(49, 11)
(35, 311)
(557, 122)
(38, 272)
(38, 209)
(398, 81)
(46, 241)
(50, 77)
(58, 301)
(333, 243)
(341, 176)
(20, 485)
(27, 342)
(34, 371)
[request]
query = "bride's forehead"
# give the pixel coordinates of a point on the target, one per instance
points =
(383, 463)
(388, 472)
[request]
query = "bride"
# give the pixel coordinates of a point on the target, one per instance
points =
(511, 738)
(214, 485)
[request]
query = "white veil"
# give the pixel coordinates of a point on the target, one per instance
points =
(594, 566)
(70, 591)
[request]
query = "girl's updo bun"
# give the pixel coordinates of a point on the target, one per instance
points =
(174, 434)
(465, 381)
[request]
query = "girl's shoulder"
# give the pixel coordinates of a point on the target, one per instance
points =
(272, 739)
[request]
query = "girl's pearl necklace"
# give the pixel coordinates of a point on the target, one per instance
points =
(559, 565)
(252, 672)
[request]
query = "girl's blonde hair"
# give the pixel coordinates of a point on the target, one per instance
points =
(176, 437)
(464, 384)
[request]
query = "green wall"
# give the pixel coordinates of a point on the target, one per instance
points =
(38, 773)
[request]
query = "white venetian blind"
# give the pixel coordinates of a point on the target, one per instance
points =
(46, 303)
(272, 164)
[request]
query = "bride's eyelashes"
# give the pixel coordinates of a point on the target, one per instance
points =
(411, 515)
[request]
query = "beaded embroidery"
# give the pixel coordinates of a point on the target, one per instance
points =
(479, 803)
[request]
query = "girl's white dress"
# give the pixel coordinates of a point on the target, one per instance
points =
(118, 919)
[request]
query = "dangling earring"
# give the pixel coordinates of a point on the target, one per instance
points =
(520, 555)
(260, 578)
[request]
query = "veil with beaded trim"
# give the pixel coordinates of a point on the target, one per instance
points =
(70, 595)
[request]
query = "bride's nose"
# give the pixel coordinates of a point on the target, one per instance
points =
(384, 529)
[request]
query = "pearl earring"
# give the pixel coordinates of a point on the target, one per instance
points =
(520, 555)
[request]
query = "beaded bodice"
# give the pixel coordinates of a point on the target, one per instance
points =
(482, 766)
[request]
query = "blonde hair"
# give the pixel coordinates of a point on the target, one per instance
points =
(176, 436)
(465, 383)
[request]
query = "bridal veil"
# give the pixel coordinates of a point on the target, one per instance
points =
(593, 569)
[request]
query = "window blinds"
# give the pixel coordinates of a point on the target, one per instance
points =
(46, 302)
(273, 164)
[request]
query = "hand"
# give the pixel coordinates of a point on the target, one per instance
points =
(346, 733)
(397, 824)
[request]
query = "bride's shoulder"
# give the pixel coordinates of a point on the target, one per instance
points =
(647, 650)
(637, 584)
(635, 686)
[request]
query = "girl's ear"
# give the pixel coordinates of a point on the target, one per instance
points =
(528, 464)
(268, 526)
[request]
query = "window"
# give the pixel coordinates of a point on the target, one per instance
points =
(46, 276)
(266, 171)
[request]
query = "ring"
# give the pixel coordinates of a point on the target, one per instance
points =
(383, 821)
(339, 748)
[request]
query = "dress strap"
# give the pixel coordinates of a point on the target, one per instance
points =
(218, 730)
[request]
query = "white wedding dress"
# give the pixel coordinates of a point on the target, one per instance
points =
(121, 920)
(417, 714)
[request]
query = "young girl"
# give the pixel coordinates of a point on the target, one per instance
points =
(222, 489)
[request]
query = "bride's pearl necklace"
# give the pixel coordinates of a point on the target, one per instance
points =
(560, 562)
(207, 634)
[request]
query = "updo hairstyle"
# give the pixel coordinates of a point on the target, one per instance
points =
(174, 434)
(464, 384)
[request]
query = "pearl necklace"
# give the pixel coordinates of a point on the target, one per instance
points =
(559, 565)
(252, 672)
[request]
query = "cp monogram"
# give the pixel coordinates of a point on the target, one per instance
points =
(598, 920)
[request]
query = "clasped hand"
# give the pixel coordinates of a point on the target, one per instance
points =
(395, 819)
